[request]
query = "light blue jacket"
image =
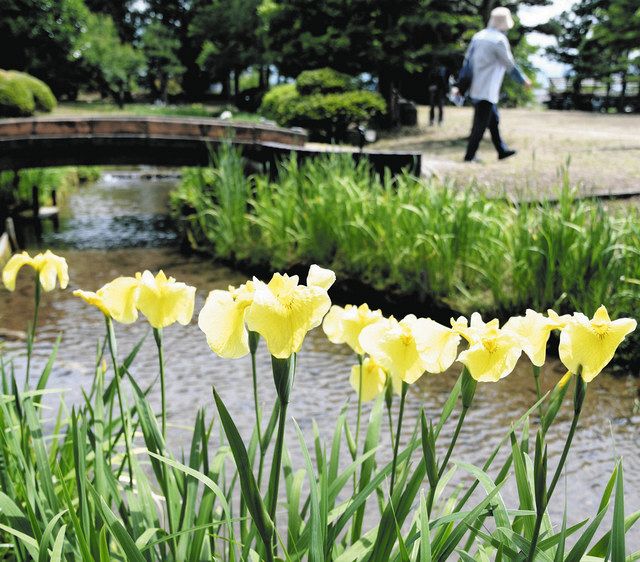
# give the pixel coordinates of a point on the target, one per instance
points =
(490, 57)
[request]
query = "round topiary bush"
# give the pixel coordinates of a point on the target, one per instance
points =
(16, 99)
(324, 81)
(277, 103)
(42, 94)
(328, 112)
(21, 94)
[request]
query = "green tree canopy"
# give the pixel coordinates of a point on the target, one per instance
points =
(39, 37)
(160, 47)
(115, 65)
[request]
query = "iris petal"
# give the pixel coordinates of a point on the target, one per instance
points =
(13, 266)
(222, 321)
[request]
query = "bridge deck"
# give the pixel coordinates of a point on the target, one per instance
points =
(159, 141)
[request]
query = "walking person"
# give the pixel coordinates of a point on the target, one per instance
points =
(438, 90)
(489, 56)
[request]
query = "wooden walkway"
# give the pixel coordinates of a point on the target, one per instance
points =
(161, 141)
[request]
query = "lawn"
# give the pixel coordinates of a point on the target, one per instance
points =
(602, 151)
(93, 108)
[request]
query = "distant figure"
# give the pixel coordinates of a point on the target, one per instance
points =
(438, 90)
(490, 57)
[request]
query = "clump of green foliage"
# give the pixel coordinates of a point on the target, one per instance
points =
(16, 194)
(22, 94)
(323, 101)
(42, 94)
(324, 81)
(427, 238)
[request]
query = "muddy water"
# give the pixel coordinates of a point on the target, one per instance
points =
(118, 226)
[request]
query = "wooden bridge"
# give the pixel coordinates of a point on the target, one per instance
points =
(161, 141)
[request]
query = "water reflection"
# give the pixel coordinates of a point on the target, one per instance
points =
(98, 248)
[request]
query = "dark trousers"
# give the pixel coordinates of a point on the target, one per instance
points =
(436, 99)
(485, 115)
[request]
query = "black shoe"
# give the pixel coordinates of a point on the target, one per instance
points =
(506, 154)
(474, 160)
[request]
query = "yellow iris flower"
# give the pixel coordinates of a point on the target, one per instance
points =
(48, 266)
(408, 348)
(373, 379)
(117, 299)
(321, 277)
(592, 343)
(343, 325)
(164, 301)
(283, 311)
(534, 329)
(492, 353)
(222, 319)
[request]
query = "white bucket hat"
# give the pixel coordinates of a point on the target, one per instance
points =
(501, 19)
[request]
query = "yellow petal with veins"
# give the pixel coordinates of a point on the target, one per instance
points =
(343, 325)
(164, 301)
(392, 344)
(49, 267)
(373, 379)
(437, 344)
(93, 299)
(120, 297)
(222, 319)
(591, 344)
(533, 329)
(283, 312)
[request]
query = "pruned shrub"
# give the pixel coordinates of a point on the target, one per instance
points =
(16, 99)
(326, 115)
(324, 81)
(42, 94)
(22, 94)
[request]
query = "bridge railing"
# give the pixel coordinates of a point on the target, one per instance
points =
(162, 141)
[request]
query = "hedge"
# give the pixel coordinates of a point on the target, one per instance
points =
(22, 94)
(324, 81)
(327, 116)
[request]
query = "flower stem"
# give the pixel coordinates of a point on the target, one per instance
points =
(32, 329)
(358, 415)
(157, 334)
(536, 376)
(403, 395)
(283, 376)
(580, 393)
(443, 466)
(114, 360)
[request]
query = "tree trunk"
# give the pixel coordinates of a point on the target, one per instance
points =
(265, 73)
(623, 93)
(226, 86)
(164, 88)
(387, 90)
(236, 82)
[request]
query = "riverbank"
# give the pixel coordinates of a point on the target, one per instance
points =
(52, 185)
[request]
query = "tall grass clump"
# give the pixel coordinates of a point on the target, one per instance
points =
(97, 481)
(426, 238)
(17, 192)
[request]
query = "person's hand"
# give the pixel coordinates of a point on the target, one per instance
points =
(527, 83)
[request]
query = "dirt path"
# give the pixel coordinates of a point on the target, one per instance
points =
(601, 152)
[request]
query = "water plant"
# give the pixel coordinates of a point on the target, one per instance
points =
(99, 482)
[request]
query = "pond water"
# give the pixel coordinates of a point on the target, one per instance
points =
(118, 226)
